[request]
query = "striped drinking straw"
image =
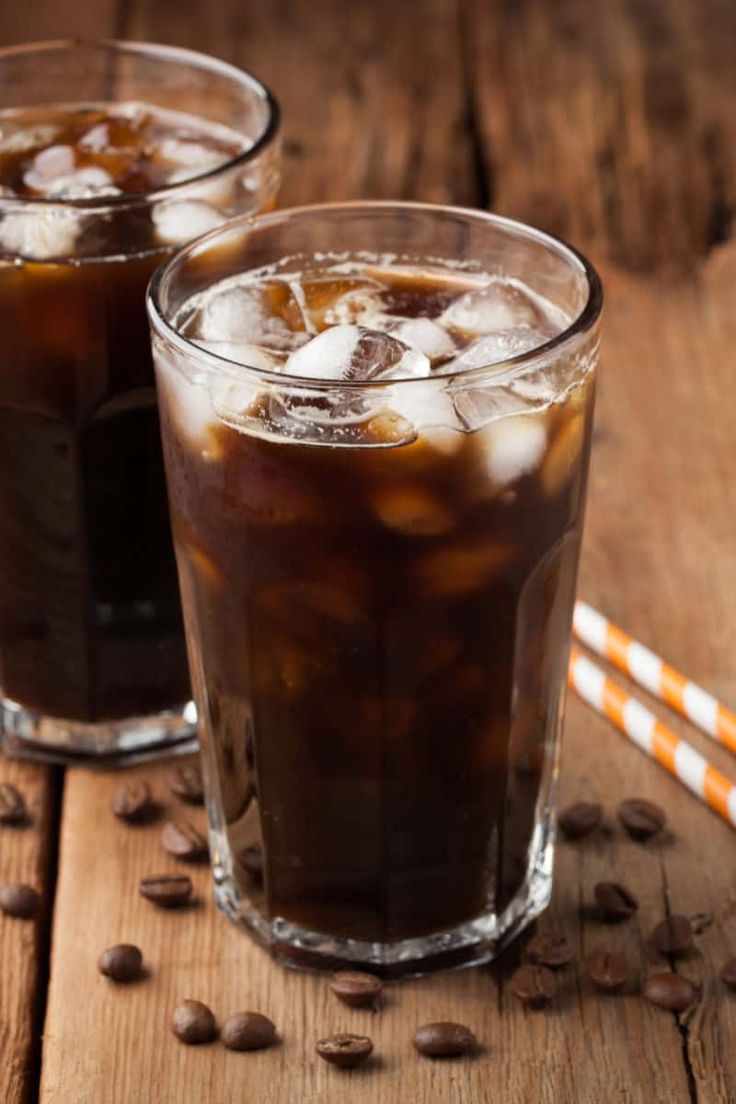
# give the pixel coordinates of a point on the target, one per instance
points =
(654, 738)
(651, 672)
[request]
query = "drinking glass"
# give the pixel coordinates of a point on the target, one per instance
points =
(92, 655)
(377, 580)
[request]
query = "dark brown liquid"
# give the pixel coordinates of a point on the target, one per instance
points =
(378, 648)
(90, 625)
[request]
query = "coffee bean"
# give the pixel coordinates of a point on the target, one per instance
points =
(12, 805)
(669, 991)
(607, 970)
(183, 841)
(20, 901)
(251, 859)
(123, 962)
(356, 989)
(674, 936)
(642, 819)
(615, 902)
(534, 985)
(186, 782)
(444, 1040)
(580, 819)
(194, 1023)
(344, 1050)
(549, 949)
(167, 890)
(132, 802)
(728, 973)
(248, 1031)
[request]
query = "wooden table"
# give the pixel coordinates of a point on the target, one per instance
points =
(611, 123)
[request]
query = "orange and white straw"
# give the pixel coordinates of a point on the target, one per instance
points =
(654, 738)
(685, 697)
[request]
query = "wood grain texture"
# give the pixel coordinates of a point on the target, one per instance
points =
(27, 854)
(613, 124)
(373, 94)
(610, 123)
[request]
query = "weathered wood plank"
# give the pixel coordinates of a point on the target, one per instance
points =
(610, 123)
(373, 94)
(26, 855)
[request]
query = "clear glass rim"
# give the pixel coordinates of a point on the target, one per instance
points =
(502, 371)
(166, 54)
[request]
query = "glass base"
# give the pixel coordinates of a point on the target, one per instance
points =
(468, 944)
(27, 734)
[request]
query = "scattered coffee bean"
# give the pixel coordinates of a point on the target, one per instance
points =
(580, 819)
(669, 991)
(344, 1050)
(642, 819)
(615, 902)
(444, 1040)
(167, 890)
(20, 901)
(248, 1031)
(356, 989)
(728, 973)
(183, 841)
(674, 936)
(549, 949)
(123, 962)
(534, 985)
(251, 859)
(12, 805)
(194, 1023)
(186, 782)
(132, 802)
(607, 970)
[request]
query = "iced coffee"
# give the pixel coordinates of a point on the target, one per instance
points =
(376, 461)
(95, 189)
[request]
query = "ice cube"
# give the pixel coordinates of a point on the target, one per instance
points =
(456, 569)
(336, 300)
(512, 447)
(497, 347)
(49, 167)
(23, 141)
(188, 154)
(431, 410)
(349, 352)
(83, 183)
(39, 235)
(96, 140)
(252, 356)
(191, 406)
(410, 509)
(179, 221)
(266, 315)
(494, 307)
(424, 334)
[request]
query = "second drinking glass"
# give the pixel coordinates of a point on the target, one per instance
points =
(111, 154)
(376, 425)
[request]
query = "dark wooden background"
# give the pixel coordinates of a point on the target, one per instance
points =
(611, 122)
